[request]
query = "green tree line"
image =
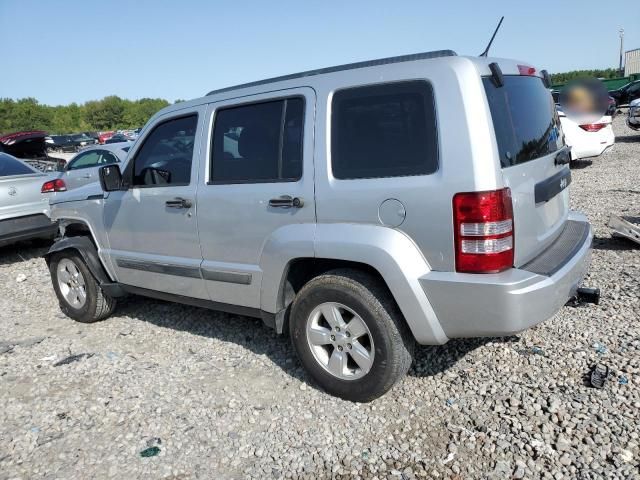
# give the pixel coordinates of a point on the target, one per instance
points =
(568, 76)
(110, 113)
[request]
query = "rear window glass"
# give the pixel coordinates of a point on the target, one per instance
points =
(524, 119)
(384, 131)
(10, 166)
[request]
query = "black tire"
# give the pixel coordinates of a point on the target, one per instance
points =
(97, 306)
(372, 301)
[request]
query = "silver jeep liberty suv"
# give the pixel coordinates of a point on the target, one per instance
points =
(362, 208)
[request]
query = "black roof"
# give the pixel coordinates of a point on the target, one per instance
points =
(339, 68)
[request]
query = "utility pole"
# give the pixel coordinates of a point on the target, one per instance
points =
(620, 70)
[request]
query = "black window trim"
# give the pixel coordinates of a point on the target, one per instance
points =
(379, 84)
(109, 152)
(280, 146)
(130, 168)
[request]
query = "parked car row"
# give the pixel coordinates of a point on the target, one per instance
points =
(633, 118)
(119, 136)
(69, 143)
(626, 94)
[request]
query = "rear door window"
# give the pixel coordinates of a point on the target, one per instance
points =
(525, 121)
(386, 130)
(258, 143)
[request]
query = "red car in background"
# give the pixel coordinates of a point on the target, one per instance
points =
(104, 136)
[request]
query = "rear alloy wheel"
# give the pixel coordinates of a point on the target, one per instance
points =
(350, 335)
(79, 295)
(340, 341)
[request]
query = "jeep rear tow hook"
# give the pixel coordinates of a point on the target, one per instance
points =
(586, 295)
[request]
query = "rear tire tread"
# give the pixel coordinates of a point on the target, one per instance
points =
(378, 299)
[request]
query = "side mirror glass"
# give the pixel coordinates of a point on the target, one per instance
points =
(110, 178)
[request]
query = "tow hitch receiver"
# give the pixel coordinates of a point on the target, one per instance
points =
(585, 295)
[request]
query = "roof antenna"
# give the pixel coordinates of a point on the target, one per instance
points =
(486, 50)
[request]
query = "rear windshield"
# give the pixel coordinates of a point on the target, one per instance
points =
(10, 166)
(524, 119)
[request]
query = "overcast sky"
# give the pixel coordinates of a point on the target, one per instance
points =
(72, 51)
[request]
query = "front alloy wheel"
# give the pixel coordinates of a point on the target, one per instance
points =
(71, 283)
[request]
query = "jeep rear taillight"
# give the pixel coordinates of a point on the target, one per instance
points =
(56, 185)
(483, 231)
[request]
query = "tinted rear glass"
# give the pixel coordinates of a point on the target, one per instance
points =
(10, 166)
(524, 118)
(260, 142)
(384, 130)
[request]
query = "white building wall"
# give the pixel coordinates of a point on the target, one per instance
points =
(632, 62)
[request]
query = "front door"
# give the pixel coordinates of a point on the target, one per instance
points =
(259, 172)
(152, 229)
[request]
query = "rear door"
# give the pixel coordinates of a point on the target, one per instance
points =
(529, 137)
(259, 180)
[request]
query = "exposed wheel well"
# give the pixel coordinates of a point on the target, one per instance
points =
(75, 229)
(301, 270)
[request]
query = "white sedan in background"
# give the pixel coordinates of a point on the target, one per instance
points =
(587, 139)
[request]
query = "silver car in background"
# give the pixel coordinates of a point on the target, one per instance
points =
(83, 168)
(24, 208)
(633, 119)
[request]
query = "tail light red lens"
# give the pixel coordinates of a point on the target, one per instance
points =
(483, 231)
(593, 127)
(56, 185)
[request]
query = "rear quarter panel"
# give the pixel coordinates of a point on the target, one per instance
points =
(464, 143)
(21, 195)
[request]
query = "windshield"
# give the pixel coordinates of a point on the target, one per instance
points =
(524, 119)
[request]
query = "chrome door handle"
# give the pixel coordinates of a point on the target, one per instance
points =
(86, 176)
(178, 202)
(286, 201)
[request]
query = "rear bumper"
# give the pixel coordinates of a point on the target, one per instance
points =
(23, 228)
(476, 305)
(591, 145)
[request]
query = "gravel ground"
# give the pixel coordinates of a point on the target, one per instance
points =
(221, 396)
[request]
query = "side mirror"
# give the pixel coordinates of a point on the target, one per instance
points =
(110, 178)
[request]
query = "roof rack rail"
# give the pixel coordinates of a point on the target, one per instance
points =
(339, 68)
